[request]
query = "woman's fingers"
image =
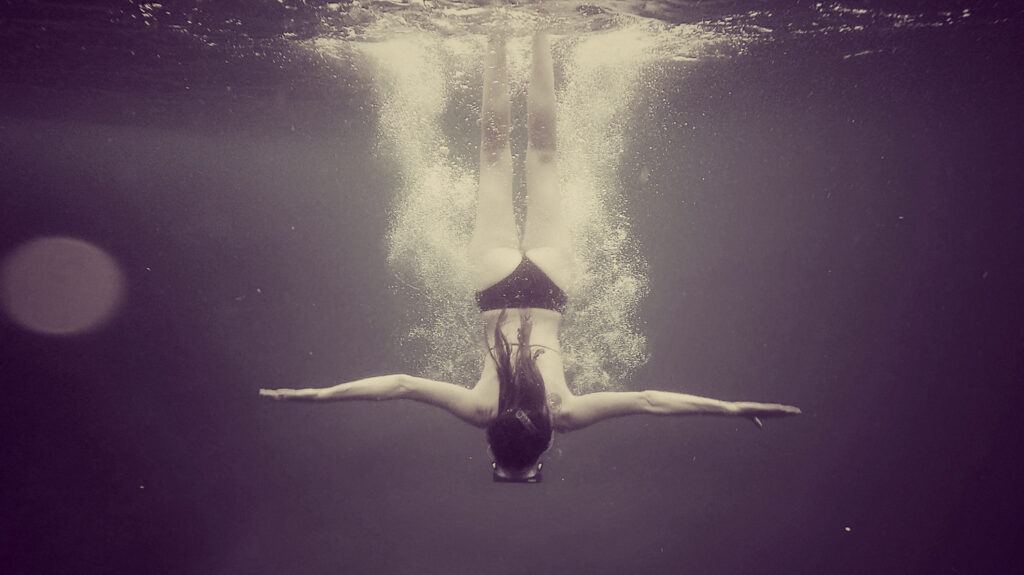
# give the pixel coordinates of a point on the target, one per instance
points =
(278, 394)
(756, 410)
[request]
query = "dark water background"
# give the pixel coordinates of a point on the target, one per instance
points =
(842, 234)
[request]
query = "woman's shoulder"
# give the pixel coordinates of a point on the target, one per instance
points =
(560, 406)
(485, 395)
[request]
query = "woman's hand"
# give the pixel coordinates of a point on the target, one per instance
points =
(756, 411)
(289, 394)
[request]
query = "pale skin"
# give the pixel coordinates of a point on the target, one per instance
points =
(496, 249)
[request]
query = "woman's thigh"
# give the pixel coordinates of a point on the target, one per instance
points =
(494, 249)
(546, 238)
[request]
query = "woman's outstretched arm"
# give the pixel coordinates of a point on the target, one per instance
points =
(461, 402)
(588, 409)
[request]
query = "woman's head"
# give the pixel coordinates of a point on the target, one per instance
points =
(522, 430)
(518, 438)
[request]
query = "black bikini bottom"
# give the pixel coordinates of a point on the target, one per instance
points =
(526, 286)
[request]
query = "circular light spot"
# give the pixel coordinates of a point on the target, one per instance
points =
(60, 285)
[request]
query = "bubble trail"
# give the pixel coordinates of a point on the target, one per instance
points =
(432, 215)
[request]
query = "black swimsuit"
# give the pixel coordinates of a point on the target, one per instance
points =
(526, 286)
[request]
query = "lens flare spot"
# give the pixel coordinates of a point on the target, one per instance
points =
(60, 285)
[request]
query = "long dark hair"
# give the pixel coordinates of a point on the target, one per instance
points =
(522, 430)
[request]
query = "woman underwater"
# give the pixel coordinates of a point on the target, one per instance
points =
(522, 395)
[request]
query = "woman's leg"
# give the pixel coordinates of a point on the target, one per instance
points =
(494, 248)
(546, 236)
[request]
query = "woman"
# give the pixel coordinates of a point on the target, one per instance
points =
(522, 395)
